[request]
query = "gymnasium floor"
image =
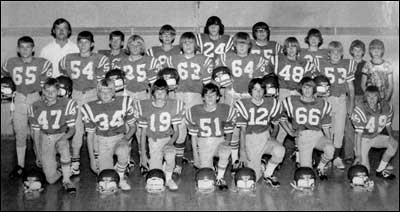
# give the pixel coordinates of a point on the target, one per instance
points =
(334, 194)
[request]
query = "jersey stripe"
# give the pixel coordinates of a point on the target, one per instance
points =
(361, 114)
(242, 109)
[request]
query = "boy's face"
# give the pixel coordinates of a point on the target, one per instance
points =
(357, 52)
(116, 43)
(335, 55)
(188, 46)
(50, 93)
(84, 45)
(160, 95)
(372, 99)
(210, 98)
(261, 34)
(135, 47)
(167, 37)
(61, 31)
(25, 49)
(376, 52)
(106, 94)
(313, 40)
(291, 50)
(242, 47)
(213, 29)
(308, 90)
(258, 92)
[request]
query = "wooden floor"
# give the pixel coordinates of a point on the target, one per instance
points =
(334, 194)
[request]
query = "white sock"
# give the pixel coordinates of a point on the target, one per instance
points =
(297, 157)
(269, 170)
(235, 155)
(66, 172)
(382, 166)
(221, 173)
(121, 175)
(168, 176)
(321, 165)
(21, 156)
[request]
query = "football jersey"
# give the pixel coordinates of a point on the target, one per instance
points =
(378, 75)
(161, 55)
(139, 73)
(257, 118)
(214, 48)
(311, 55)
(307, 115)
(193, 72)
(84, 71)
(114, 59)
(159, 121)
(369, 122)
(338, 74)
(269, 51)
(53, 119)
(243, 68)
(109, 119)
(216, 123)
(28, 77)
(291, 72)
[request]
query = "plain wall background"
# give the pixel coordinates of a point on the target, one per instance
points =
(342, 21)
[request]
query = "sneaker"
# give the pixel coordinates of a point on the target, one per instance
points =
(171, 185)
(17, 172)
(272, 180)
(75, 168)
(236, 165)
(321, 174)
(297, 165)
(178, 170)
(123, 184)
(69, 187)
(389, 167)
(385, 174)
(143, 170)
(338, 163)
(221, 183)
(130, 167)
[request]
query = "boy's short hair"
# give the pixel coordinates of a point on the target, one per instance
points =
(357, 44)
(214, 20)
(159, 84)
(244, 37)
(191, 36)
(261, 25)
(376, 43)
(290, 41)
(58, 22)
(212, 88)
(372, 89)
(335, 45)
(117, 33)
(106, 82)
(316, 33)
(255, 81)
(139, 39)
(86, 35)
(167, 28)
(51, 82)
(25, 39)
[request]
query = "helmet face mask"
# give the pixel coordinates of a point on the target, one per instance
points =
(118, 76)
(245, 179)
(222, 76)
(34, 181)
(304, 179)
(107, 181)
(205, 180)
(155, 181)
(7, 89)
(306, 183)
(65, 88)
(271, 82)
(171, 76)
(322, 86)
(359, 177)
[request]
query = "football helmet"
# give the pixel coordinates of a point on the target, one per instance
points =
(358, 176)
(7, 89)
(304, 178)
(119, 78)
(271, 82)
(65, 89)
(205, 180)
(245, 179)
(107, 181)
(323, 85)
(171, 76)
(222, 75)
(34, 181)
(155, 181)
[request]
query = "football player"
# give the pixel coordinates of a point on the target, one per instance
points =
(290, 69)
(159, 118)
(261, 43)
(53, 122)
(116, 51)
(341, 75)
(106, 118)
(85, 69)
(256, 115)
(28, 73)
(213, 42)
(310, 125)
(369, 119)
(167, 37)
(314, 41)
(211, 127)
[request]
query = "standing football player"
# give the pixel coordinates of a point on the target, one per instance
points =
(28, 73)
(53, 122)
(211, 127)
(85, 69)
(116, 51)
(262, 45)
(370, 117)
(159, 118)
(314, 41)
(256, 117)
(105, 121)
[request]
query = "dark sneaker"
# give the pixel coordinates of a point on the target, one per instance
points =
(143, 170)
(297, 165)
(321, 174)
(69, 187)
(17, 172)
(272, 180)
(237, 165)
(221, 183)
(385, 174)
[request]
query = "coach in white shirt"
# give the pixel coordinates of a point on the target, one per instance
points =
(60, 46)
